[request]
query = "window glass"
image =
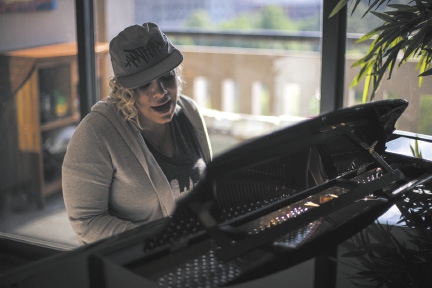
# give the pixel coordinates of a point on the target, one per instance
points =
(40, 109)
(262, 58)
(253, 67)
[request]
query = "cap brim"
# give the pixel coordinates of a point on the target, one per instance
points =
(158, 70)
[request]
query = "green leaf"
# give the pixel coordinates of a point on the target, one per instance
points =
(376, 3)
(368, 35)
(391, 60)
(363, 72)
(355, 6)
(366, 85)
(416, 150)
(412, 151)
(338, 7)
(419, 4)
(383, 17)
(366, 273)
(402, 7)
(357, 253)
(426, 73)
(388, 36)
(358, 62)
(407, 30)
(415, 42)
(422, 66)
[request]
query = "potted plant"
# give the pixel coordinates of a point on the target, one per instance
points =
(406, 34)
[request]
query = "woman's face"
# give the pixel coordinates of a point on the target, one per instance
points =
(156, 101)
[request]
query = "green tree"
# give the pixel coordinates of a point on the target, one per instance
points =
(273, 18)
(199, 19)
(312, 23)
(244, 21)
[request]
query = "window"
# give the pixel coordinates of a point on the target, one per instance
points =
(229, 96)
(253, 66)
(40, 110)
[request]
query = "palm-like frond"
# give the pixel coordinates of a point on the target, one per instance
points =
(406, 34)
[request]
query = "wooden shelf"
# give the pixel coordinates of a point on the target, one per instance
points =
(59, 123)
(52, 186)
(43, 81)
(53, 51)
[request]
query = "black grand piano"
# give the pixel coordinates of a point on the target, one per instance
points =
(267, 206)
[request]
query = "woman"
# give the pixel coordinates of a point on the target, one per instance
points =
(139, 151)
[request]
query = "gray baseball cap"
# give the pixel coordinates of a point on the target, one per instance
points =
(142, 53)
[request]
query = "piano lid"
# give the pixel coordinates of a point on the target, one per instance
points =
(338, 142)
(299, 168)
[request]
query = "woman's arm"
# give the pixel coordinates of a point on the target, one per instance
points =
(86, 179)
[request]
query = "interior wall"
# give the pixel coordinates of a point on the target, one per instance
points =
(112, 16)
(21, 30)
(118, 15)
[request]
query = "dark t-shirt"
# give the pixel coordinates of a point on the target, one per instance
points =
(184, 169)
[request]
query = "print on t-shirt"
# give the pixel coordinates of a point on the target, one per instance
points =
(184, 169)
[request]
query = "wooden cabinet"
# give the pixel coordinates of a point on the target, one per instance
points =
(43, 83)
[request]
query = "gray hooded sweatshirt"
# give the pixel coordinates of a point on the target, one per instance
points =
(111, 181)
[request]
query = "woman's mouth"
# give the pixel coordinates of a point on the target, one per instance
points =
(164, 108)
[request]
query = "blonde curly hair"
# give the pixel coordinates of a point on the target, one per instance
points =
(124, 99)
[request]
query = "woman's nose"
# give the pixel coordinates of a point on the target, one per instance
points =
(159, 89)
